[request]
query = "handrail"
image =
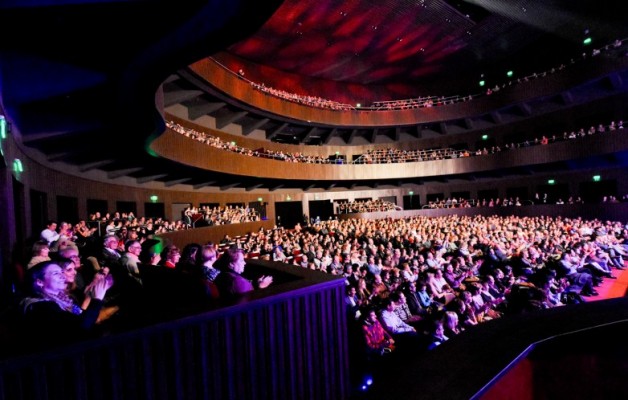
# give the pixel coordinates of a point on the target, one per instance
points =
(264, 338)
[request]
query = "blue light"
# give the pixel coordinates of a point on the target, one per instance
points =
(369, 381)
(364, 387)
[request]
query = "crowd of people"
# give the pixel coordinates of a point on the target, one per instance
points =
(544, 198)
(211, 216)
(419, 102)
(411, 283)
(362, 206)
(110, 223)
(218, 143)
(312, 101)
(393, 155)
(432, 101)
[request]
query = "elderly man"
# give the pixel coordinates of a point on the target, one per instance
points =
(131, 259)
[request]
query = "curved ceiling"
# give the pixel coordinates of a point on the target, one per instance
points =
(421, 47)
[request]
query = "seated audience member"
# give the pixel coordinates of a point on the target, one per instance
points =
(482, 304)
(353, 304)
(82, 232)
(189, 256)
(426, 299)
(450, 323)
(380, 290)
(581, 280)
(378, 341)
(69, 271)
(363, 293)
(470, 313)
(83, 275)
(391, 321)
(412, 298)
(279, 255)
(452, 276)
(131, 259)
(149, 257)
(40, 253)
(230, 281)
(170, 256)
(50, 234)
(437, 335)
(439, 287)
(51, 317)
(110, 256)
(403, 310)
(66, 238)
(206, 258)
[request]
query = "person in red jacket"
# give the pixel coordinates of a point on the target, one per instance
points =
(378, 341)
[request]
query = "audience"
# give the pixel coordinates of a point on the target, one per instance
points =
(49, 308)
(362, 206)
(230, 281)
(386, 155)
(617, 48)
(40, 253)
(424, 281)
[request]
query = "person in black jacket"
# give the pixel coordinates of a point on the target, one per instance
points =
(50, 315)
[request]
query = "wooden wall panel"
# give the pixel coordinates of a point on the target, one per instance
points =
(175, 146)
(213, 233)
(238, 88)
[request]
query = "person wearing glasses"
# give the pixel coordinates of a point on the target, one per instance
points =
(131, 258)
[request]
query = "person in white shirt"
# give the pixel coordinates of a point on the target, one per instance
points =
(391, 320)
(50, 234)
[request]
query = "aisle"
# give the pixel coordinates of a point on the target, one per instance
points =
(613, 288)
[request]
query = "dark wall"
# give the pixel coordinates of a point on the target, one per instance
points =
(289, 213)
(321, 208)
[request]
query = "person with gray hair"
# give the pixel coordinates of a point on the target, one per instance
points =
(230, 281)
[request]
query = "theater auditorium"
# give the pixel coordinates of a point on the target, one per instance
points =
(313, 200)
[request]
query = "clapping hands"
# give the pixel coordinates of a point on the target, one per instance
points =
(264, 281)
(99, 286)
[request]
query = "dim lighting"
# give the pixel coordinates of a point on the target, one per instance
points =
(509, 74)
(482, 83)
(596, 178)
(587, 41)
(551, 182)
(484, 137)
(154, 198)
